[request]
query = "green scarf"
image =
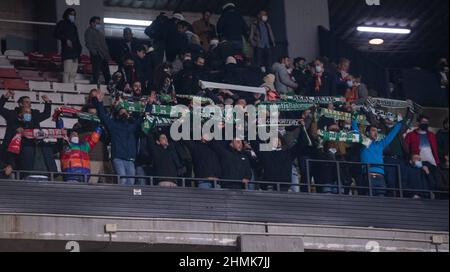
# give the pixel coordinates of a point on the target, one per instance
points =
(288, 105)
(341, 116)
(321, 100)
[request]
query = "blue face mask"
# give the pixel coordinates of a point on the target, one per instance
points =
(99, 27)
(72, 18)
(27, 117)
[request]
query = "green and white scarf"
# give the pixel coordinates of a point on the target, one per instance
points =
(321, 100)
(288, 105)
(341, 116)
(131, 106)
(203, 100)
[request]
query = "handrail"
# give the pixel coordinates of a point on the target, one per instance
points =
(276, 185)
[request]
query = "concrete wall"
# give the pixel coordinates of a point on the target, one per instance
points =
(302, 20)
(17, 10)
(18, 231)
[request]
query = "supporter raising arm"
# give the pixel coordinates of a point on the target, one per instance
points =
(372, 154)
(74, 153)
(123, 129)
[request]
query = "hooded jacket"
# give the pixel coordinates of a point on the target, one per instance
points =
(231, 24)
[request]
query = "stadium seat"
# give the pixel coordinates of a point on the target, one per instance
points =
(30, 75)
(56, 98)
(8, 73)
(74, 99)
(40, 86)
(14, 84)
(15, 55)
(64, 87)
(85, 88)
(32, 95)
(104, 88)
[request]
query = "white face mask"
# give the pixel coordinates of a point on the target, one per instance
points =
(319, 69)
(333, 151)
(418, 164)
(350, 84)
(75, 140)
(265, 18)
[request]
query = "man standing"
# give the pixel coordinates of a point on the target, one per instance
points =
(66, 31)
(15, 118)
(262, 40)
(372, 154)
(96, 44)
(232, 26)
(204, 29)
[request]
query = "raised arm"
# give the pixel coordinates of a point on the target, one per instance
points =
(104, 118)
(46, 114)
(5, 113)
(391, 136)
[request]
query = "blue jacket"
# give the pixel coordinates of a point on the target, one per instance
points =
(373, 154)
(123, 134)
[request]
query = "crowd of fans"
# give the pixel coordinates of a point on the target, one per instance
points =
(179, 56)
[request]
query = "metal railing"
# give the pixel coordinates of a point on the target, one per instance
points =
(398, 191)
(301, 187)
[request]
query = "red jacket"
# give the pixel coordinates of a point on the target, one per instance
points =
(412, 141)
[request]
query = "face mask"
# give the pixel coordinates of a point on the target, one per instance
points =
(418, 164)
(72, 18)
(424, 127)
(265, 18)
(350, 84)
(319, 69)
(390, 125)
(27, 117)
(75, 140)
(333, 150)
(123, 117)
(99, 27)
(348, 127)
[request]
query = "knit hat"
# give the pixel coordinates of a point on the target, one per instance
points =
(231, 60)
(227, 5)
(178, 16)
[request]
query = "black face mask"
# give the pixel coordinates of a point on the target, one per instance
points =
(424, 127)
(123, 117)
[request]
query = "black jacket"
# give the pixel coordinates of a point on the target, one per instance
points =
(443, 141)
(235, 165)
(303, 79)
(66, 30)
(232, 25)
(123, 134)
(13, 123)
(326, 89)
(165, 160)
(206, 162)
